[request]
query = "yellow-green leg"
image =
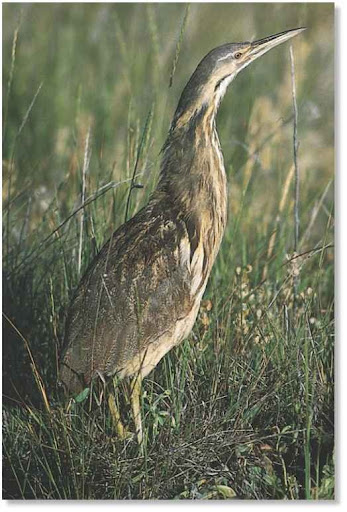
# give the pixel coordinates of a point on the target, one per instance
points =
(136, 408)
(122, 432)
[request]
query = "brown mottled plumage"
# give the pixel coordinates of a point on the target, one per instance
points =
(141, 294)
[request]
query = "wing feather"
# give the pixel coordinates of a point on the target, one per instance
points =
(136, 288)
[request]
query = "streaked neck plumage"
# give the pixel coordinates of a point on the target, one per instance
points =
(192, 170)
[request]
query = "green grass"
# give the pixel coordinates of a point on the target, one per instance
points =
(244, 408)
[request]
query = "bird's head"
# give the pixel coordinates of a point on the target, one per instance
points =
(219, 67)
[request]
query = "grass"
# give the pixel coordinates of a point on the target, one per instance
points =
(244, 408)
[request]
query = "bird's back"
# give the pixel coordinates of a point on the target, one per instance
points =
(137, 299)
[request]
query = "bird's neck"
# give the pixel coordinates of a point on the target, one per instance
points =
(193, 175)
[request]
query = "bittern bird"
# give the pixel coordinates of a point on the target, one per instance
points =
(141, 294)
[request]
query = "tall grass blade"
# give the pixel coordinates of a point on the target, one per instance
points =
(141, 147)
(10, 77)
(86, 161)
(179, 44)
(296, 165)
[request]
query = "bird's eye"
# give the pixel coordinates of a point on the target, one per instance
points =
(237, 55)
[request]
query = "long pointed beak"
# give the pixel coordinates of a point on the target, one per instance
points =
(262, 46)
